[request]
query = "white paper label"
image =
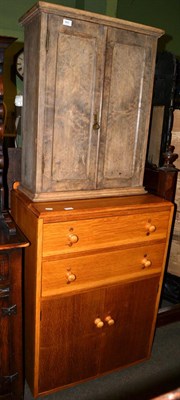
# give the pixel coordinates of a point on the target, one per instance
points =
(68, 208)
(67, 22)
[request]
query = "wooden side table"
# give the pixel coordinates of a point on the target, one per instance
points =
(11, 360)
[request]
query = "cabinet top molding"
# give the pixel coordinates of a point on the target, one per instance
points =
(84, 209)
(56, 9)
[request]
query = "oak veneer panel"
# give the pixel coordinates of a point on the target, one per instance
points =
(127, 304)
(100, 269)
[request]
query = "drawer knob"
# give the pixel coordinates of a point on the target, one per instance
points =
(146, 263)
(109, 320)
(150, 228)
(99, 323)
(70, 276)
(73, 239)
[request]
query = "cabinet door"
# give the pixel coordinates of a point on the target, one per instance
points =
(73, 347)
(69, 340)
(74, 71)
(4, 345)
(128, 82)
(11, 373)
(132, 307)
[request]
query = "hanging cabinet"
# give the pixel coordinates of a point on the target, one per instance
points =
(86, 110)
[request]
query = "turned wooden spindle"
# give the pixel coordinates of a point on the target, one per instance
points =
(167, 175)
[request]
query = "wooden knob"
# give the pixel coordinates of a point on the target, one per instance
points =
(99, 323)
(73, 238)
(150, 228)
(146, 263)
(70, 277)
(109, 320)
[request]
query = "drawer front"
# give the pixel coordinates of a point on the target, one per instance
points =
(71, 274)
(85, 235)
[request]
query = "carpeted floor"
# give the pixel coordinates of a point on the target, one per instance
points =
(144, 381)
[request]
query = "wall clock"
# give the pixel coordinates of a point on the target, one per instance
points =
(19, 64)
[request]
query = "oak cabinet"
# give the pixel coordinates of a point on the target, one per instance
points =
(93, 278)
(86, 111)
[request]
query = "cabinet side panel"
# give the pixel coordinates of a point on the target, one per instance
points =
(32, 228)
(32, 122)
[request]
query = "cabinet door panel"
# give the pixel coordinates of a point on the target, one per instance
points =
(75, 61)
(132, 306)
(69, 363)
(126, 106)
(69, 338)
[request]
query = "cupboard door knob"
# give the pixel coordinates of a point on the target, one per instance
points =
(70, 277)
(73, 238)
(109, 320)
(150, 228)
(99, 323)
(146, 263)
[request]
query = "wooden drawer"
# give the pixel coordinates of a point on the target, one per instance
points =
(85, 235)
(99, 269)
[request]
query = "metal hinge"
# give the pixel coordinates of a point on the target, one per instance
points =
(4, 292)
(9, 378)
(8, 311)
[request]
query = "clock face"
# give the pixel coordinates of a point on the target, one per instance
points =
(20, 64)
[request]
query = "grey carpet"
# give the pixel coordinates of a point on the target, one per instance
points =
(144, 381)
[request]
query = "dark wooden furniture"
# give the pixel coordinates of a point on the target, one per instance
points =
(12, 241)
(5, 41)
(163, 103)
(11, 360)
(160, 176)
(93, 277)
(162, 180)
